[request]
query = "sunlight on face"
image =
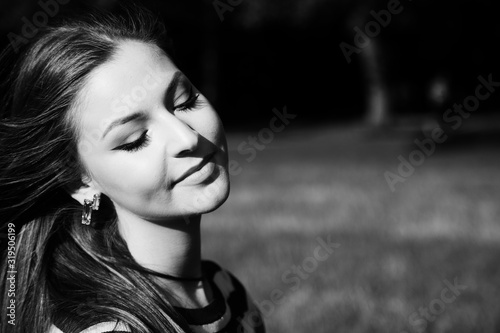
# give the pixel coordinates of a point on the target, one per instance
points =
(149, 140)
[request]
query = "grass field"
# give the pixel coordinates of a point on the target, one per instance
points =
(398, 252)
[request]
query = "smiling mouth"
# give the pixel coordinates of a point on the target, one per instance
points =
(195, 168)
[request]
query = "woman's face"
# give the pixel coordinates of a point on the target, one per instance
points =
(148, 139)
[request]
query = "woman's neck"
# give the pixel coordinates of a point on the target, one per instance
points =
(171, 247)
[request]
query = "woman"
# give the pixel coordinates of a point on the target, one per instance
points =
(109, 158)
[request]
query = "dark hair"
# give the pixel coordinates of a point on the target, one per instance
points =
(68, 274)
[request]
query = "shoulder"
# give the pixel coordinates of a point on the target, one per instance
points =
(104, 327)
(214, 271)
(225, 280)
(244, 312)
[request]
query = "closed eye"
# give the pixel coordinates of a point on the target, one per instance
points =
(191, 103)
(140, 143)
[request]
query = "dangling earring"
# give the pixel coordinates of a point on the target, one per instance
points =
(88, 207)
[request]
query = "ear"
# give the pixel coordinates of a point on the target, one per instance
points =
(86, 191)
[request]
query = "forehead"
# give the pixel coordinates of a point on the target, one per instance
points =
(136, 72)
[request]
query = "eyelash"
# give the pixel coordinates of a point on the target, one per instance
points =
(192, 103)
(135, 145)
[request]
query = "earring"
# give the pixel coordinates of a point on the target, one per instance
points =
(88, 207)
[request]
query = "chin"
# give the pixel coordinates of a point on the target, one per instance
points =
(212, 197)
(217, 203)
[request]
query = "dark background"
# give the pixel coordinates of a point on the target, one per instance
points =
(266, 54)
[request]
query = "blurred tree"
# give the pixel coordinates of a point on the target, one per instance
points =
(370, 58)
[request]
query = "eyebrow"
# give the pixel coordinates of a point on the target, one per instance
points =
(124, 120)
(141, 115)
(174, 83)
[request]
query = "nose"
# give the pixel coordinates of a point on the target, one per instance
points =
(183, 138)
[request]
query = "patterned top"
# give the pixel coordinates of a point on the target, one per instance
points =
(231, 310)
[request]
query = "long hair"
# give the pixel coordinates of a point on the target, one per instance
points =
(54, 269)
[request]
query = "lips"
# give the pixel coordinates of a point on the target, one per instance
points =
(195, 168)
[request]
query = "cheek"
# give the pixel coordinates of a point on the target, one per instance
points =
(135, 176)
(208, 124)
